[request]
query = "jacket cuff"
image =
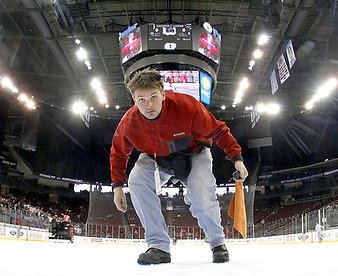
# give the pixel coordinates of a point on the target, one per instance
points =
(117, 184)
(236, 158)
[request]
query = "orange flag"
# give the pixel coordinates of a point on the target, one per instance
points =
(236, 209)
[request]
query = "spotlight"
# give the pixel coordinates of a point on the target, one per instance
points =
(258, 53)
(263, 39)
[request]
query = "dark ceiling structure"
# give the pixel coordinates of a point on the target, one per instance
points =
(38, 51)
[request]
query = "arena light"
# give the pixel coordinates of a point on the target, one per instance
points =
(270, 108)
(323, 92)
(103, 100)
(331, 83)
(14, 90)
(326, 89)
(96, 83)
(223, 107)
(257, 54)
(100, 93)
(262, 39)
(309, 105)
(78, 41)
(239, 93)
(22, 97)
(88, 64)
(79, 107)
(81, 54)
(8, 84)
(106, 105)
(261, 107)
(117, 106)
(251, 64)
(236, 101)
(244, 84)
(30, 104)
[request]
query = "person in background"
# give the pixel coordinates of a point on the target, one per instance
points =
(174, 133)
(319, 229)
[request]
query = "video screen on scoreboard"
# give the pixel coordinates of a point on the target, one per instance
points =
(131, 45)
(209, 45)
(169, 36)
(182, 81)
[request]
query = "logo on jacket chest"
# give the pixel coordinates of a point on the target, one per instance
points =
(179, 134)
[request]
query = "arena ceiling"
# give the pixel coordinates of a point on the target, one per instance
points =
(38, 52)
(37, 46)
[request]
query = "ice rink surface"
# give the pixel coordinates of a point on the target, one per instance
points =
(55, 259)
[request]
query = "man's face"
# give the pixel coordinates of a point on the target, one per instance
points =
(149, 102)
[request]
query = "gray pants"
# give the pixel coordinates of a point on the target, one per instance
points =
(201, 196)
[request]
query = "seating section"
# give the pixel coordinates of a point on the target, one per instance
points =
(103, 219)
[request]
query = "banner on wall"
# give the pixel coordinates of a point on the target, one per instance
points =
(290, 53)
(283, 69)
(273, 82)
(254, 116)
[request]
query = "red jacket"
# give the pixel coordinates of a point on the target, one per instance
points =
(181, 117)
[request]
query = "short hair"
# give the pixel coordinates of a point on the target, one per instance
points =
(143, 79)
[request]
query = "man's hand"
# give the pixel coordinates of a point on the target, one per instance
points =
(239, 165)
(120, 199)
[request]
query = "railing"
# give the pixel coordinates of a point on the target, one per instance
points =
(137, 232)
(23, 217)
(326, 216)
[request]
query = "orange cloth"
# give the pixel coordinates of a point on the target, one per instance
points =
(236, 209)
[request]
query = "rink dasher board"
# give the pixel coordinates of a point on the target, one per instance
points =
(24, 233)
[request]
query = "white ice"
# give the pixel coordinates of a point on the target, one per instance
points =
(48, 258)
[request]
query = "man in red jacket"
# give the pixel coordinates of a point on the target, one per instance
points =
(174, 133)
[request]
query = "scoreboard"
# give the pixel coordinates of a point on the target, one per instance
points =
(187, 55)
(169, 36)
